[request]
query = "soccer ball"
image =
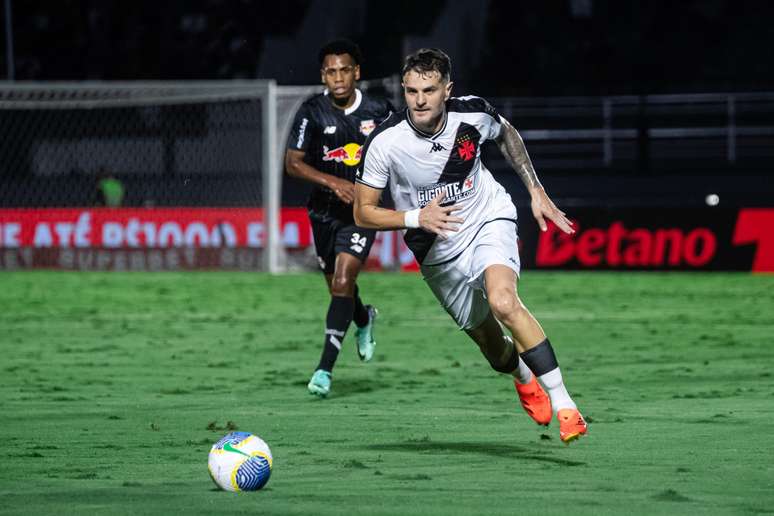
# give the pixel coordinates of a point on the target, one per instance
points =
(240, 461)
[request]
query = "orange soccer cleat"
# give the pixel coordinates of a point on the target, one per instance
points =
(571, 425)
(534, 400)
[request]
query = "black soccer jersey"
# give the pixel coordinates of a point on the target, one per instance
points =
(332, 140)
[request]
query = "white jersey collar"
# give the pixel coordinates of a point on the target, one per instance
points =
(358, 99)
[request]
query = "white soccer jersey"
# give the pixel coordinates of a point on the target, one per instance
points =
(418, 166)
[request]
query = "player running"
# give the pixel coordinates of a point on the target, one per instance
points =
(461, 225)
(324, 148)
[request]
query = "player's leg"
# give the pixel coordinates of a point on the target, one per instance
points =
(355, 243)
(340, 308)
(534, 348)
(364, 317)
(499, 349)
(500, 283)
(324, 234)
(349, 247)
(364, 314)
(463, 300)
(501, 353)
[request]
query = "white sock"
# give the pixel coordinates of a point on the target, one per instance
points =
(523, 374)
(554, 386)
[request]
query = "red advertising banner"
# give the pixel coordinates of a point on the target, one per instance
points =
(655, 239)
(157, 228)
(233, 238)
(162, 239)
(756, 227)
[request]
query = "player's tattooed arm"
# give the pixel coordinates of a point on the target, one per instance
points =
(512, 147)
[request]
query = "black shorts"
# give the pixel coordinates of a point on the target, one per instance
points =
(333, 237)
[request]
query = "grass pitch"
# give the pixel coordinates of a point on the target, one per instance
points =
(114, 386)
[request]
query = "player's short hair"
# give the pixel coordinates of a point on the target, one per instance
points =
(339, 47)
(426, 60)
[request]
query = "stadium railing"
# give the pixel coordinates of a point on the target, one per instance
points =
(644, 133)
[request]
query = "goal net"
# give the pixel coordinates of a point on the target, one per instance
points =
(187, 173)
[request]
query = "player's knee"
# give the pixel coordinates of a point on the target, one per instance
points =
(342, 286)
(504, 304)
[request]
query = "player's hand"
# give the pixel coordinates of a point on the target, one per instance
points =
(543, 207)
(343, 189)
(439, 219)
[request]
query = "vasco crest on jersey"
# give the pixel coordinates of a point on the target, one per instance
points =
(455, 191)
(463, 153)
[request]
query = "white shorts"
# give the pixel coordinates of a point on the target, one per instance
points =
(459, 284)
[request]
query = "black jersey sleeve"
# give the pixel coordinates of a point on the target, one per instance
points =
(302, 129)
(495, 120)
(473, 104)
(491, 124)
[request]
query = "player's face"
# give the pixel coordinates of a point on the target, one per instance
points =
(426, 94)
(339, 73)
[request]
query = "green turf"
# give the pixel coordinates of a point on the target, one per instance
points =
(113, 387)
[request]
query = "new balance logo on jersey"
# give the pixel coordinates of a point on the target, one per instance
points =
(331, 129)
(437, 147)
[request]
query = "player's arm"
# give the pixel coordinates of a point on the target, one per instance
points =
(433, 217)
(512, 147)
(297, 167)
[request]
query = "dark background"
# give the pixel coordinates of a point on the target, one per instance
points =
(506, 47)
(500, 49)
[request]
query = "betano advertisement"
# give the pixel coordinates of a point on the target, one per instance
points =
(656, 239)
(232, 238)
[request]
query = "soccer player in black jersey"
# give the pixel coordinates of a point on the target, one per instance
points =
(324, 148)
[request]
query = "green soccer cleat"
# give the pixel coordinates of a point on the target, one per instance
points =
(320, 384)
(365, 336)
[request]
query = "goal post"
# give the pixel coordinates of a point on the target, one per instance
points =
(175, 144)
(189, 146)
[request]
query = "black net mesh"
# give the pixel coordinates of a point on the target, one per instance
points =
(167, 147)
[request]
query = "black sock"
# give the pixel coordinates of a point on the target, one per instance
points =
(541, 359)
(336, 324)
(360, 315)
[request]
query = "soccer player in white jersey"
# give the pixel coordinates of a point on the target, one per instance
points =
(461, 225)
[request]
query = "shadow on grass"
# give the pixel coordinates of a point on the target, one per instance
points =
(343, 387)
(489, 449)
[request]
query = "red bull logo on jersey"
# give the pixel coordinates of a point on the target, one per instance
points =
(349, 154)
(456, 191)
